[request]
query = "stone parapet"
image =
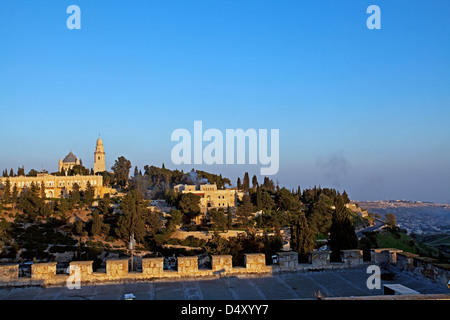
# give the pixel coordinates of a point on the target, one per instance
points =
(222, 264)
(352, 257)
(187, 265)
(43, 271)
(84, 267)
(153, 267)
(405, 260)
(117, 268)
(319, 258)
(256, 263)
(384, 255)
(287, 261)
(44, 274)
(9, 273)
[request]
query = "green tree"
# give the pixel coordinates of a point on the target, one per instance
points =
(321, 215)
(78, 227)
(390, 220)
(132, 220)
(21, 171)
(189, 205)
(75, 195)
(345, 197)
(7, 192)
(42, 190)
(268, 184)
(218, 219)
(267, 202)
(287, 201)
(154, 224)
(30, 203)
(229, 218)
(14, 195)
(246, 182)
(78, 169)
(342, 231)
(244, 211)
(121, 169)
(89, 194)
(97, 224)
(175, 217)
(32, 173)
(254, 182)
(302, 239)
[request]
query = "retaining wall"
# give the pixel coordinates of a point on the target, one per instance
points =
(187, 267)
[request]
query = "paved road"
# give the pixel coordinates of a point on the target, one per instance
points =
(300, 285)
(377, 226)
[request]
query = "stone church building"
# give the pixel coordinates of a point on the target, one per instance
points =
(60, 186)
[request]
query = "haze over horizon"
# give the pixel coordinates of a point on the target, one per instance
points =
(363, 110)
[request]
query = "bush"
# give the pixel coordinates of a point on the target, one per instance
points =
(110, 239)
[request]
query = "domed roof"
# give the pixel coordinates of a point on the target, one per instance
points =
(99, 141)
(70, 158)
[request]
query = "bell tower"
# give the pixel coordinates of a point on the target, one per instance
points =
(99, 157)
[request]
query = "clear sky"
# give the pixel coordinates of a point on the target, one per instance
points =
(363, 110)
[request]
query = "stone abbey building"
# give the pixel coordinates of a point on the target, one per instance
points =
(211, 197)
(60, 186)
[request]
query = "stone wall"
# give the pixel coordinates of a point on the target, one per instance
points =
(384, 255)
(222, 264)
(255, 265)
(413, 264)
(153, 267)
(352, 257)
(9, 273)
(187, 265)
(287, 260)
(320, 258)
(84, 267)
(405, 260)
(117, 268)
(43, 271)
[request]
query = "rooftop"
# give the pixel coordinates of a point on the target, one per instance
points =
(70, 158)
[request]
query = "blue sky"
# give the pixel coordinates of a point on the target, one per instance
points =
(363, 110)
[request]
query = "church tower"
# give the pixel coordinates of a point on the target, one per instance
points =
(99, 157)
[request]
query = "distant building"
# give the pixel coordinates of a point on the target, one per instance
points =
(360, 212)
(210, 196)
(69, 162)
(99, 157)
(60, 186)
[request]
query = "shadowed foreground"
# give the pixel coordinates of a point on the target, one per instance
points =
(299, 285)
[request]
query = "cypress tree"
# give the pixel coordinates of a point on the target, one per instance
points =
(342, 231)
(133, 218)
(97, 224)
(7, 192)
(14, 195)
(244, 210)
(229, 218)
(246, 182)
(302, 239)
(254, 182)
(43, 196)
